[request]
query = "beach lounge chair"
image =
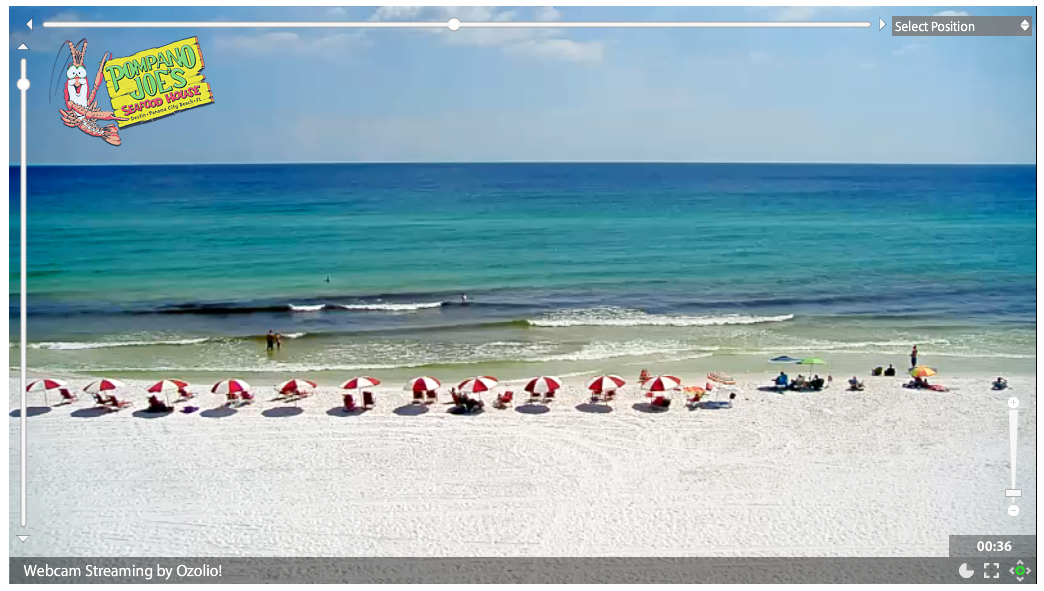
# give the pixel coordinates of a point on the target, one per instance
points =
(534, 397)
(596, 397)
(103, 400)
(231, 399)
(505, 400)
(432, 397)
(368, 401)
(549, 397)
(349, 403)
(661, 402)
(609, 396)
(418, 398)
(67, 396)
(246, 397)
(185, 394)
(117, 404)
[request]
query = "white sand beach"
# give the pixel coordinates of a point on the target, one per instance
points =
(884, 472)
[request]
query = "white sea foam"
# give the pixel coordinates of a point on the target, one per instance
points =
(390, 307)
(611, 350)
(314, 308)
(627, 317)
(74, 346)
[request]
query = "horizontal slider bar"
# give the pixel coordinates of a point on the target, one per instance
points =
(463, 25)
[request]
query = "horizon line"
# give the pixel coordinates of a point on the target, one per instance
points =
(564, 162)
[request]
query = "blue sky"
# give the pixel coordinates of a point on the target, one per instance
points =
(306, 95)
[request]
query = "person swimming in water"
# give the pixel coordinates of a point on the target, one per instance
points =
(464, 298)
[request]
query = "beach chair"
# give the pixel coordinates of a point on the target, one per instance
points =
(695, 400)
(596, 397)
(246, 397)
(549, 397)
(67, 396)
(103, 400)
(504, 400)
(185, 394)
(661, 402)
(432, 397)
(534, 397)
(157, 405)
(368, 401)
(418, 398)
(609, 396)
(231, 399)
(349, 403)
(117, 404)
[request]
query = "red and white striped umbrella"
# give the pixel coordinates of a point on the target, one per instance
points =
(422, 384)
(168, 386)
(360, 382)
(103, 385)
(296, 385)
(232, 386)
(478, 384)
(662, 383)
(543, 385)
(721, 378)
(44, 385)
(606, 383)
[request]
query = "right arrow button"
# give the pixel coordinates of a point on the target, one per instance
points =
(883, 23)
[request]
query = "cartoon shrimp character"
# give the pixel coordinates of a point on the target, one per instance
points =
(79, 99)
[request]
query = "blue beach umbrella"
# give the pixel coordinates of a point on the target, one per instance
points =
(783, 359)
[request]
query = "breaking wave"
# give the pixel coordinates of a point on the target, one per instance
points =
(626, 317)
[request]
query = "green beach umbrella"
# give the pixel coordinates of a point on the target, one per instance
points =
(811, 361)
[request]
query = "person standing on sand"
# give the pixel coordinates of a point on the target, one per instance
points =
(913, 357)
(271, 340)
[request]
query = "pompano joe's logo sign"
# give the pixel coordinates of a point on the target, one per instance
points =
(157, 82)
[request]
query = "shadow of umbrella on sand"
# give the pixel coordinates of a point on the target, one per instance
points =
(282, 411)
(31, 411)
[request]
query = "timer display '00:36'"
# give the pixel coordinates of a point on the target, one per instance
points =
(993, 546)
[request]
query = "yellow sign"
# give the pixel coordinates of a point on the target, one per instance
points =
(157, 82)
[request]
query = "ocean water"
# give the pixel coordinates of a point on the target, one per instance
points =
(569, 268)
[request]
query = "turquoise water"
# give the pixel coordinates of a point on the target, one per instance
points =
(149, 270)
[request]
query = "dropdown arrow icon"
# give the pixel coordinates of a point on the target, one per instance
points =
(23, 537)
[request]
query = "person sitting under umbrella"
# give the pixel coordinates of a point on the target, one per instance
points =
(157, 405)
(798, 383)
(782, 380)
